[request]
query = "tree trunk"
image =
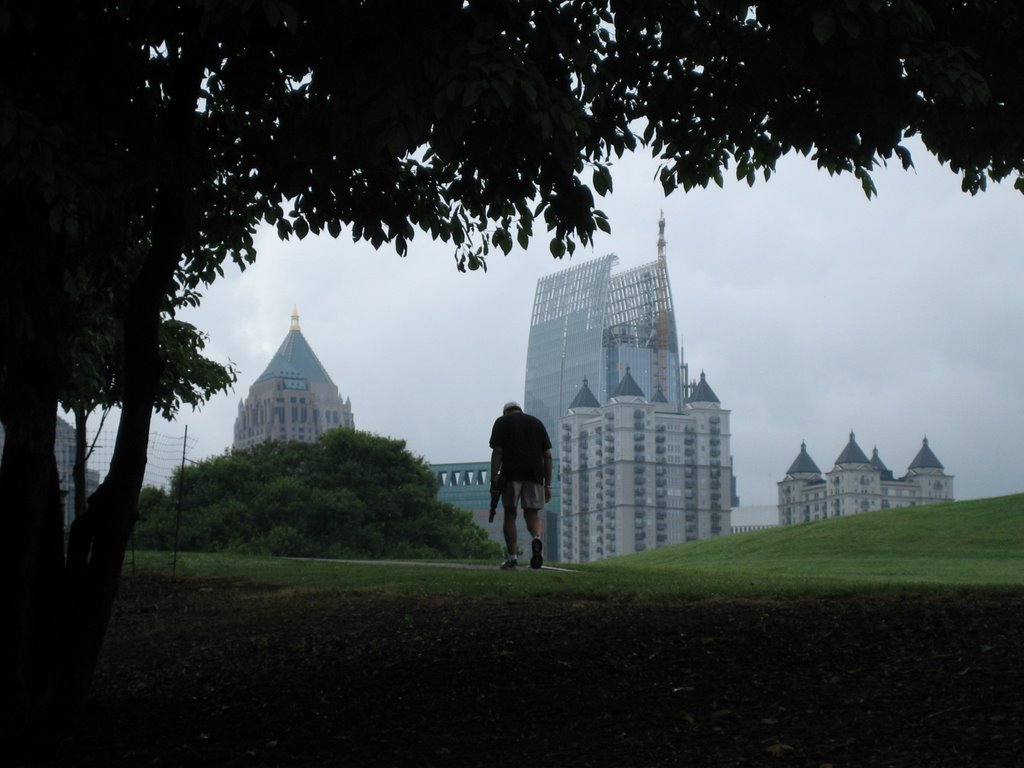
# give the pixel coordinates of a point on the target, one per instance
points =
(60, 608)
(99, 539)
(81, 457)
(31, 516)
(33, 595)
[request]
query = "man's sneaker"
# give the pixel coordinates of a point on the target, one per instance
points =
(537, 560)
(508, 565)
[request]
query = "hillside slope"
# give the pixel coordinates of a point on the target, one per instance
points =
(978, 542)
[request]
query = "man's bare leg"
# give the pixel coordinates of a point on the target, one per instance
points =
(509, 529)
(532, 520)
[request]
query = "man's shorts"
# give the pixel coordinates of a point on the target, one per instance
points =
(529, 495)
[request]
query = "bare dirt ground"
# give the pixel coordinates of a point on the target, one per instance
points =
(216, 673)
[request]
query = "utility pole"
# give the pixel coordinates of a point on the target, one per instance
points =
(177, 516)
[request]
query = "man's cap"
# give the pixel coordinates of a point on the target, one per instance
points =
(511, 405)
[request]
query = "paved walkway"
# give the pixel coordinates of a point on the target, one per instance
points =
(431, 564)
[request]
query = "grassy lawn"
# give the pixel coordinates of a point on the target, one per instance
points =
(963, 545)
(686, 655)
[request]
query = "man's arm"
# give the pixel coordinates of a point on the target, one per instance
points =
(547, 474)
(496, 464)
(495, 488)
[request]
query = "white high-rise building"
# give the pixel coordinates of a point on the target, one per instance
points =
(639, 473)
(644, 450)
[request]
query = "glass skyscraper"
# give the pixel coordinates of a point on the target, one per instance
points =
(589, 323)
(644, 458)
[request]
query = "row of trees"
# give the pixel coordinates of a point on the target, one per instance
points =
(142, 142)
(351, 494)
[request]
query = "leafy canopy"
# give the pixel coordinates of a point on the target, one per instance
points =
(131, 127)
(471, 121)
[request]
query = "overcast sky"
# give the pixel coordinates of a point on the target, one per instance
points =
(813, 311)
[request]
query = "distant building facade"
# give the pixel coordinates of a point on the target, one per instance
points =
(755, 517)
(293, 399)
(467, 485)
(64, 453)
(639, 473)
(859, 484)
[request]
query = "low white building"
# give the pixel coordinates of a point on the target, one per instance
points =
(859, 484)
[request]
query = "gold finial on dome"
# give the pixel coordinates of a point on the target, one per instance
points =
(295, 318)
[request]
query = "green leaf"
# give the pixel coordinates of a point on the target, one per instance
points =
(824, 23)
(471, 94)
(56, 218)
(7, 128)
(504, 93)
(866, 183)
(272, 11)
(904, 155)
(503, 240)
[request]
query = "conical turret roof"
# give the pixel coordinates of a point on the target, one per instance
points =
(925, 459)
(803, 464)
(852, 454)
(703, 393)
(584, 398)
(877, 462)
(628, 387)
(879, 466)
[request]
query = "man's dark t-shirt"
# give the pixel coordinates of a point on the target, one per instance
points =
(523, 440)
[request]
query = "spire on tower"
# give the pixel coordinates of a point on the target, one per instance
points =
(662, 302)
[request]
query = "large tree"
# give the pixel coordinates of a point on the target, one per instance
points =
(169, 130)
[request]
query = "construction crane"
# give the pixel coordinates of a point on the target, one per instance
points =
(664, 312)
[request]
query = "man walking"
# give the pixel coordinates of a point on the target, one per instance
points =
(521, 458)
